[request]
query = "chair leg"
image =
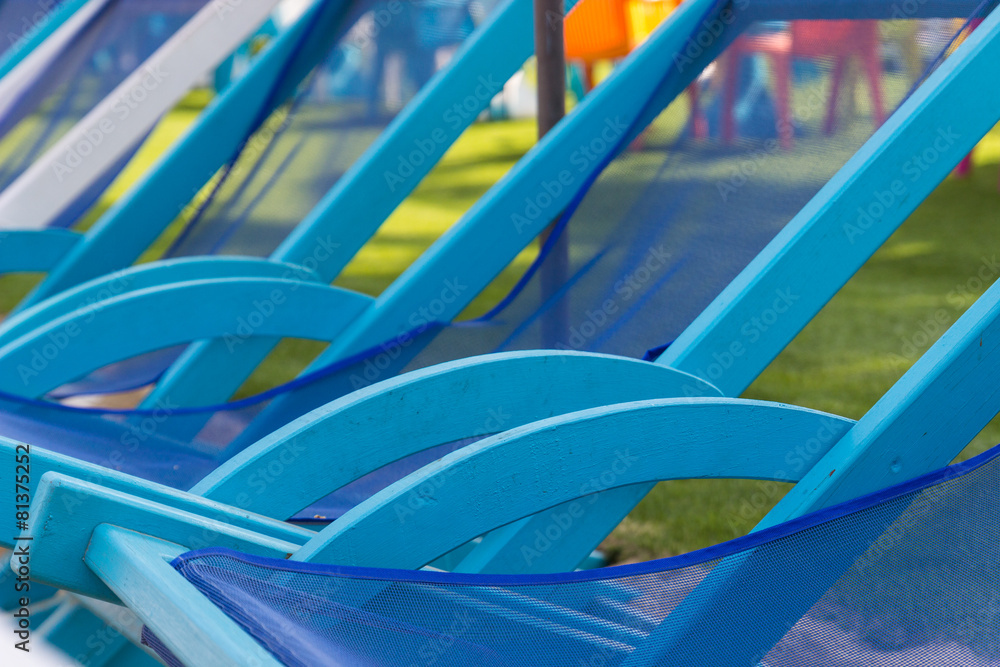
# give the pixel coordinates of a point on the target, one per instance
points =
(699, 124)
(588, 76)
(873, 67)
(836, 81)
(964, 167)
(730, 84)
(782, 101)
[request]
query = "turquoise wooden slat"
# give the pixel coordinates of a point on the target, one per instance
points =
(363, 198)
(98, 644)
(558, 460)
(702, 433)
(67, 511)
(234, 309)
(38, 33)
(136, 566)
(920, 424)
(44, 461)
(93, 292)
(138, 217)
(429, 407)
(489, 225)
(818, 251)
(822, 243)
(31, 251)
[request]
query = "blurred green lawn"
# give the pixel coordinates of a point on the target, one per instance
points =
(861, 342)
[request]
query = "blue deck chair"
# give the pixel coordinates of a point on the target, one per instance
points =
(316, 81)
(25, 25)
(299, 153)
(317, 311)
(777, 595)
(932, 102)
(112, 39)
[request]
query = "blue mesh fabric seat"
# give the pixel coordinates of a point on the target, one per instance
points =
(663, 229)
(901, 577)
(112, 44)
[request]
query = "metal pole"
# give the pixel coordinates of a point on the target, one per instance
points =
(550, 57)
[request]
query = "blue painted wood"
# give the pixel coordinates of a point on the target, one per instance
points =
(495, 229)
(31, 251)
(818, 244)
(139, 217)
(93, 643)
(487, 238)
(93, 292)
(194, 629)
(67, 512)
(822, 247)
(234, 309)
(920, 424)
(38, 33)
(562, 459)
(366, 195)
(43, 461)
(445, 403)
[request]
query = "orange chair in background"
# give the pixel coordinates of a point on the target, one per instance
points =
(609, 29)
(599, 30)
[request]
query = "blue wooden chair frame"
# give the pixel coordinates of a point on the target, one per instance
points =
(118, 238)
(125, 560)
(791, 328)
(37, 34)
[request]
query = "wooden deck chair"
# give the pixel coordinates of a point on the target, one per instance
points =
(752, 592)
(80, 103)
(318, 311)
(210, 372)
(447, 381)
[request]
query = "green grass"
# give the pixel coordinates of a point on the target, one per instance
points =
(860, 343)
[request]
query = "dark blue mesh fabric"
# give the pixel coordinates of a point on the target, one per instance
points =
(662, 231)
(19, 18)
(903, 577)
(387, 52)
(112, 45)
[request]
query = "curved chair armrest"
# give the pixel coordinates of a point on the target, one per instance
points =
(527, 470)
(125, 326)
(372, 427)
(34, 250)
(66, 511)
(93, 292)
